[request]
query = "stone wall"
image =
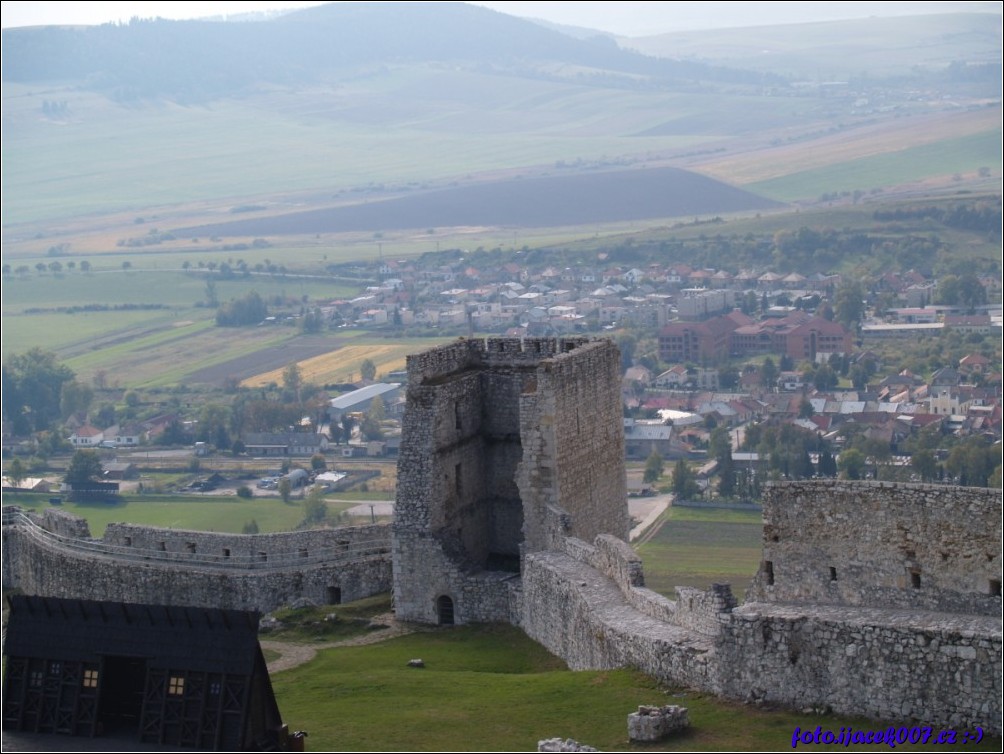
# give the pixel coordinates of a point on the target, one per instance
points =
(876, 544)
(246, 550)
(571, 478)
(167, 566)
(930, 668)
(587, 604)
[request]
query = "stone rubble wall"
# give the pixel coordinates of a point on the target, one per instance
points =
(63, 523)
(911, 546)
(908, 665)
(263, 572)
(656, 723)
(247, 549)
(423, 572)
(582, 616)
(697, 610)
(932, 668)
(562, 744)
(572, 479)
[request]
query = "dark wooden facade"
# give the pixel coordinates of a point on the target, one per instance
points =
(178, 676)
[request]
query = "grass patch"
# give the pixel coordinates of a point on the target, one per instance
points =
(317, 624)
(700, 547)
(483, 688)
(217, 513)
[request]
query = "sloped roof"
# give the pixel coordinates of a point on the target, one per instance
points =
(363, 394)
(193, 638)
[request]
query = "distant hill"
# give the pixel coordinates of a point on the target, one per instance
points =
(873, 47)
(200, 60)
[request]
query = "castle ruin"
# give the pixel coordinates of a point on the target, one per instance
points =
(873, 599)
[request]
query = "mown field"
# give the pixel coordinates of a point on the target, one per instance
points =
(700, 547)
(220, 513)
(400, 130)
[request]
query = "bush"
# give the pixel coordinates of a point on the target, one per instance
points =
(244, 492)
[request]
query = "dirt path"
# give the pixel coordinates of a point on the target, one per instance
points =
(292, 654)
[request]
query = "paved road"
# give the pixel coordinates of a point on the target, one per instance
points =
(646, 510)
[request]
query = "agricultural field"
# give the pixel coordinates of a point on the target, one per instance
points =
(146, 328)
(582, 199)
(964, 137)
(343, 364)
(339, 144)
(699, 547)
(949, 159)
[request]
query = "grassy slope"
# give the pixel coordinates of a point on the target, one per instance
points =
(490, 688)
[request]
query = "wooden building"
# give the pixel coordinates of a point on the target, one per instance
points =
(177, 676)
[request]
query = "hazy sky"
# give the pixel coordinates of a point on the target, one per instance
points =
(626, 18)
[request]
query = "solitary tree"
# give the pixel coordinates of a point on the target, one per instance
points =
(653, 467)
(16, 472)
(292, 379)
(367, 370)
(285, 489)
(851, 463)
(848, 303)
(925, 463)
(85, 467)
(805, 409)
(315, 509)
(212, 297)
(768, 373)
(684, 484)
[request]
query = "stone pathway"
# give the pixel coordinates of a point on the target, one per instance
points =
(293, 654)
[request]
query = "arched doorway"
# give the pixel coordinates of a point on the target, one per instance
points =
(444, 610)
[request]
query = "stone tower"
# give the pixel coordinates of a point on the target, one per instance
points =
(508, 446)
